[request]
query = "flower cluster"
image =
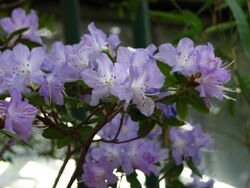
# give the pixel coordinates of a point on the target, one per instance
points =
(127, 76)
(143, 154)
(19, 20)
(17, 115)
(199, 64)
(187, 144)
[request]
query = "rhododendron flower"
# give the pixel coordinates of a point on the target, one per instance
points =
(20, 20)
(18, 115)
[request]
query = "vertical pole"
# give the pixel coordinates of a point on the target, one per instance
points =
(71, 20)
(71, 25)
(141, 26)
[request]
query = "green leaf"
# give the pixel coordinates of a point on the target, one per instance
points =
(63, 141)
(176, 18)
(196, 101)
(79, 113)
(85, 132)
(35, 99)
(135, 114)
(242, 25)
(145, 127)
(220, 27)
(29, 43)
(164, 68)
(51, 133)
(182, 109)
(16, 33)
(176, 171)
(193, 167)
(15, 137)
(172, 169)
(172, 122)
(134, 182)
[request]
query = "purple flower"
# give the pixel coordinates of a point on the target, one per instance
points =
(108, 79)
(212, 76)
(187, 144)
(98, 174)
(98, 41)
(22, 67)
(19, 20)
(18, 115)
(143, 155)
(198, 63)
(54, 63)
(200, 184)
(183, 58)
(144, 76)
(129, 128)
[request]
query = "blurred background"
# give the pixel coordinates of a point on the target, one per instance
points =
(224, 23)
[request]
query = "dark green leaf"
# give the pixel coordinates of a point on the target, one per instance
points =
(176, 171)
(220, 27)
(172, 122)
(51, 133)
(134, 182)
(35, 99)
(192, 166)
(164, 68)
(196, 101)
(242, 25)
(63, 141)
(16, 33)
(145, 127)
(15, 137)
(29, 43)
(79, 113)
(181, 109)
(85, 132)
(135, 114)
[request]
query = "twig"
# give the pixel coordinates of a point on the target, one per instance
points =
(86, 145)
(118, 142)
(65, 162)
(120, 128)
(86, 120)
(13, 4)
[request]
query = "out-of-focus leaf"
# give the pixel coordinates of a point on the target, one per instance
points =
(181, 109)
(242, 25)
(29, 43)
(85, 132)
(196, 101)
(220, 27)
(16, 33)
(134, 182)
(169, 17)
(51, 133)
(145, 127)
(15, 137)
(193, 167)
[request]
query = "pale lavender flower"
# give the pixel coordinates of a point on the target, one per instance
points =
(54, 63)
(18, 115)
(183, 58)
(19, 20)
(143, 155)
(213, 76)
(129, 128)
(22, 66)
(187, 144)
(98, 174)
(197, 183)
(106, 80)
(144, 76)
